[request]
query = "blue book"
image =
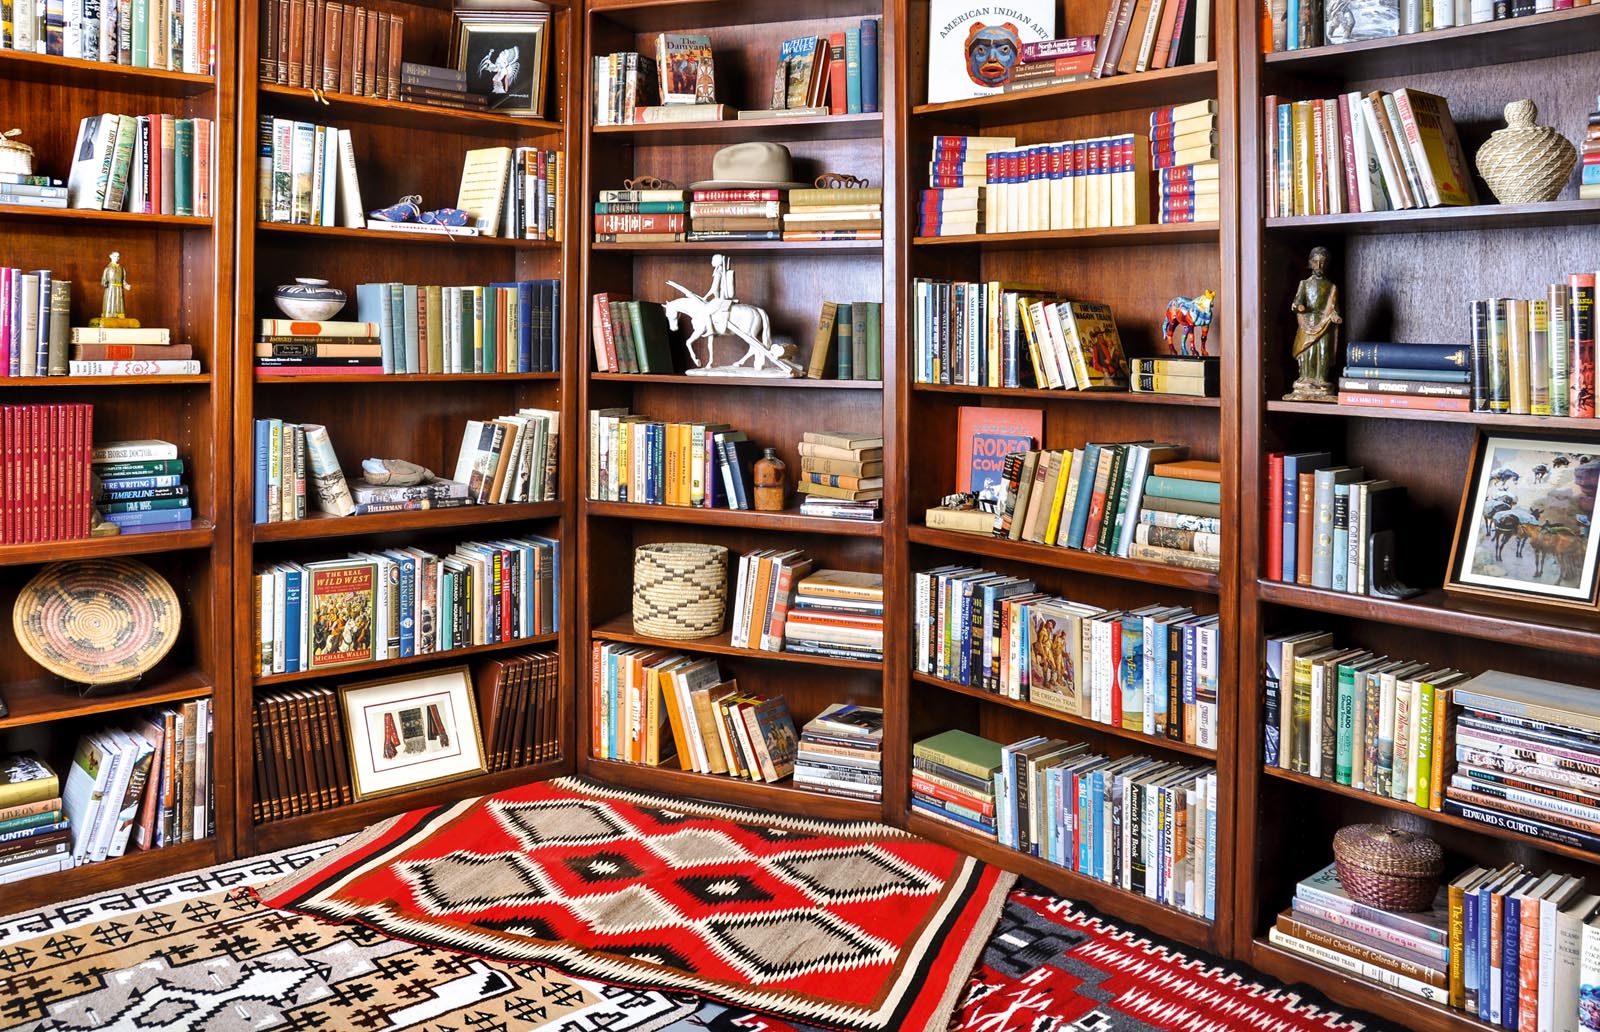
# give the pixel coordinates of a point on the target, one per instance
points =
(553, 334)
(372, 306)
(408, 602)
(156, 518)
(1427, 375)
(613, 725)
(852, 71)
(394, 296)
(1485, 983)
(1384, 355)
(263, 458)
(1511, 953)
(408, 303)
(1080, 508)
(1293, 465)
(986, 830)
(1469, 952)
(527, 360)
(291, 619)
(1156, 672)
(869, 65)
(42, 344)
(446, 617)
(157, 528)
(1132, 679)
(1191, 667)
(1211, 863)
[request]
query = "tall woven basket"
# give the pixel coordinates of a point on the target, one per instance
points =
(680, 590)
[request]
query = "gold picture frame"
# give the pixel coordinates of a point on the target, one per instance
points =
(411, 732)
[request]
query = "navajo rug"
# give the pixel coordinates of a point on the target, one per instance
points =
(853, 926)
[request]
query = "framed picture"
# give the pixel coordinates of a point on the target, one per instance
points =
(1526, 530)
(410, 732)
(504, 60)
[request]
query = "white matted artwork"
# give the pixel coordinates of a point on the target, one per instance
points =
(410, 732)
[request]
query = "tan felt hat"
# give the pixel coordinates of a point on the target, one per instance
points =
(754, 165)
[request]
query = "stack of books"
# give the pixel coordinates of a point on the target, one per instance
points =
(1053, 62)
(837, 613)
(519, 709)
(851, 331)
(834, 468)
(129, 351)
(1196, 482)
(1526, 753)
(1183, 151)
(623, 83)
(1142, 35)
(953, 780)
(1373, 723)
(334, 48)
(1142, 824)
(1193, 376)
(32, 191)
(498, 328)
(653, 462)
(733, 214)
(631, 336)
(1359, 152)
(435, 494)
(834, 214)
(301, 765)
(442, 87)
(139, 488)
(1326, 522)
(1068, 184)
(1151, 670)
(302, 347)
(1437, 377)
(841, 752)
(45, 489)
(1589, 181)
(155, 164)
(37, 834)
(763, 594)
(306, 175)
(172, 37)
(1535, 356)
(958, 175)
(641, 216)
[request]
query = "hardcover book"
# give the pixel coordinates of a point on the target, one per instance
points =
(343, 615)
(974, 47)
(985, 436)
(685, 66)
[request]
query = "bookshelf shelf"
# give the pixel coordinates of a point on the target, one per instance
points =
(1447, 220)
(1563, 423)
(343, 107)
(123, 219)
(383, 665)
(646, 16)
(199, 535)
(265, 379)
(1525, 38)
(781, 128)
(790, 521)
(784, 796)
(1046, 713)
(1420, 1015)
(46, 699)
(322, 526)
(199, 380)
(1086, 97)
(1071, 397)
(1112, 236)
(621, 629)
(131, 868)
(384, 237)
(16, 66)
(1576, 633)
(775, 249)
(1066, 559)
(800, 383)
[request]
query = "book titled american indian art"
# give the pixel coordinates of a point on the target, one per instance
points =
(974, 47)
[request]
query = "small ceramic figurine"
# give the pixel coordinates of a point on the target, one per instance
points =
(769, 476)
(717, 312)
(1316, 335)
(113, 308)
(395, 472)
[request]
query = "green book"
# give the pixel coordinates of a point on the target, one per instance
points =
(145, 505)
(141, 33)
(651, 338)
(962, 751)
(1189, 490)
(490, 314)
(846, 345)
(396, 295)
(858, 341)
(408, 301)
(464, 346)
(183, 167)
(121, 163)
(622, 334)
(874, 340)
(142, 468)
(1422, 762)
(434, 327)
(1108, 519)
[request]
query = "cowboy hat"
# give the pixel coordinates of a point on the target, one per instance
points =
(755, 165)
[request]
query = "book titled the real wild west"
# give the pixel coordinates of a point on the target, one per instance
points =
(343, 614)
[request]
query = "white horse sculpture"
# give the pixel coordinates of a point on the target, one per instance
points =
(708, 319)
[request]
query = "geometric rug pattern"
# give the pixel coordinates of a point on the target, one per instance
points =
(851, 925)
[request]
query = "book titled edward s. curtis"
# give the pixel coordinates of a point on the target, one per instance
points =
(985, 436)
(343, 615)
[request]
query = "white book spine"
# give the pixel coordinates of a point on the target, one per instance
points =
(1360, 968)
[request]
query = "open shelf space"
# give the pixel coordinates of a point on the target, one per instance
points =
(358, 670)
(784, 796)
(789, 520)
(44, 700)
(343, 107)
(757, 382)
(186, 380)
(1066, 559)
(785, 128)
(744, 248)
(1109, 236)
(404, 238)
(321, 525)
(199, 535)
(621, 629)
(1085, 97)
(1071, 397)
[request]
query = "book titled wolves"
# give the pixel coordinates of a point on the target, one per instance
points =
(687, 73)
(985, 437)
(974, 47)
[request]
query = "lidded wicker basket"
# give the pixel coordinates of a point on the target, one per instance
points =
(680, 590)
(1388, 867)
(16, 157)
(1526, 163)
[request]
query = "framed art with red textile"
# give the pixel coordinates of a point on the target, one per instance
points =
(413, 731)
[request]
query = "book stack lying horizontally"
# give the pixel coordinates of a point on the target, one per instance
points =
(1373, 723)
(302, 347)
(1196, 482)
(1329, 526)
(1589, 180)
(1359, 152)
(994, 334)
(763, 594)
(834, 214)
(630, 336)
(1053, 62)
(953, 780)
(441, 87)
(345, 48)
(1183, 151)
(1068, 184)
(1194, 376)
(45, 482)
(652, 462)
(154, 164)
(841, 752)
(958, 175)
(1536, 356)
(1151, 670)
(130, 351)
(731, 214)
(519, 709)
(30, 191)
(641, 216)
(301, 765)
(306, 175)
(1526, 755)
(172, 37)
(37, 834)
(1438, 377)
(851, 332)
(1145, 825)
(139, 488)
(837, 613)
(840, 471)
(1143, 35)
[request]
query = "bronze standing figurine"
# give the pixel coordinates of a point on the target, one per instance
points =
(1316, 335)
(113, 309)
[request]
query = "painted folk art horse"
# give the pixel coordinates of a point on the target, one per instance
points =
(1188, 324)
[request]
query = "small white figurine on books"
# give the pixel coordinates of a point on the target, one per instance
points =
(717, 313)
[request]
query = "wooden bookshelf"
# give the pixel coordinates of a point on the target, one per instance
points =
(400, 148)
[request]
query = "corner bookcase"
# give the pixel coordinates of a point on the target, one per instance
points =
(180, 269)
(400, 148)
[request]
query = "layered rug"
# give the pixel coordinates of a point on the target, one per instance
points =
(854, 926)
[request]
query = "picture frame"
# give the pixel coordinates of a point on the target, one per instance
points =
(411, 732)
(1525, 531)
(505, 59)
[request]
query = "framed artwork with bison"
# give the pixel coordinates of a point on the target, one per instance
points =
(1526, 530)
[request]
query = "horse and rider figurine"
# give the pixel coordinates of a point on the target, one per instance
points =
(718, 313)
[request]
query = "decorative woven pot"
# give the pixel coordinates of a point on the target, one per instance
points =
(680, 590)
(1388, 867)
(1525, 163)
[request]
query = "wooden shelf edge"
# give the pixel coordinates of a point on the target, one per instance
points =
(199, 535)
(383, 665)
(266, 379)
(73, 71)
(755, 382)
(1313, 408)
(404, 237)
(197, 380)
(384, 110)
(1419, 1015)
(319, 525)
(1046, 394)
(792, 127)
(1066, 559)
(620, 628)
(790, 520)
(46, 701)
(129, 869)
(749, 248)
(783, 797)
(1566, 212)
(1092, 94)
(112, 218)
(1155, 234)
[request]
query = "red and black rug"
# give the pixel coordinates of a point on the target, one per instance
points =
(845, 925)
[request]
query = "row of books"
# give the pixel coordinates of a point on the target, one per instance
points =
(1068, 184)
(653, 462)
(1355, 718)
(852, 213)
(630, 336)
(1528, 357)
(996, 335)
(1294, 27)
(301, 764)
(1153, 670)
(151, 164)
(1328, 526)
(45, 485)
(1183, 151)
(851, 332)
(1356, 152)
(306, 174)
(780, 605)
(37, 338)
(1589, 174)
(519, 709)
(176, 35)
(332, 47)
(139, 487)
(1134, 29)
(404, 602)
(841, 752)
(516, 192)
(1143, 824)
(1440, 377)
(837, 73)
(841, 473)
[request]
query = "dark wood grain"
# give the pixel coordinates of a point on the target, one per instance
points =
(400, 238)
(39, 701)
(354, 670)
(1487, 419)
(750, 382)
(18, 212)
(1071, 397)
(790, 520)
(199, 535)
(1089, 96)
(1066, 558)
(768, 249)
(73, 73)
(320, 525)
(783, 796)
(342, 108)
(1477, 218)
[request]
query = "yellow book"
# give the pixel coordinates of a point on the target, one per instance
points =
(1056, 504)
(680, 734)
(1518, 356)
(484, 175)
(1431, 138)
(1303, 152)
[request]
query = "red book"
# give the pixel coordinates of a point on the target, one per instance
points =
(1405, 401)
(605, 342)
(132, 352)
(1165, 38)
(1275, 515)
(1347, 145)
(837, 96)
(321, 370)
(738, 195)
(1177, 33)
(1581, 318)
(1116, 692)
(1307, 489)
(654, 223)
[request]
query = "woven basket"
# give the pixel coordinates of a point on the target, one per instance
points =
(679, 590)
(97, 621)
(1526, 163)
(1388, 867)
